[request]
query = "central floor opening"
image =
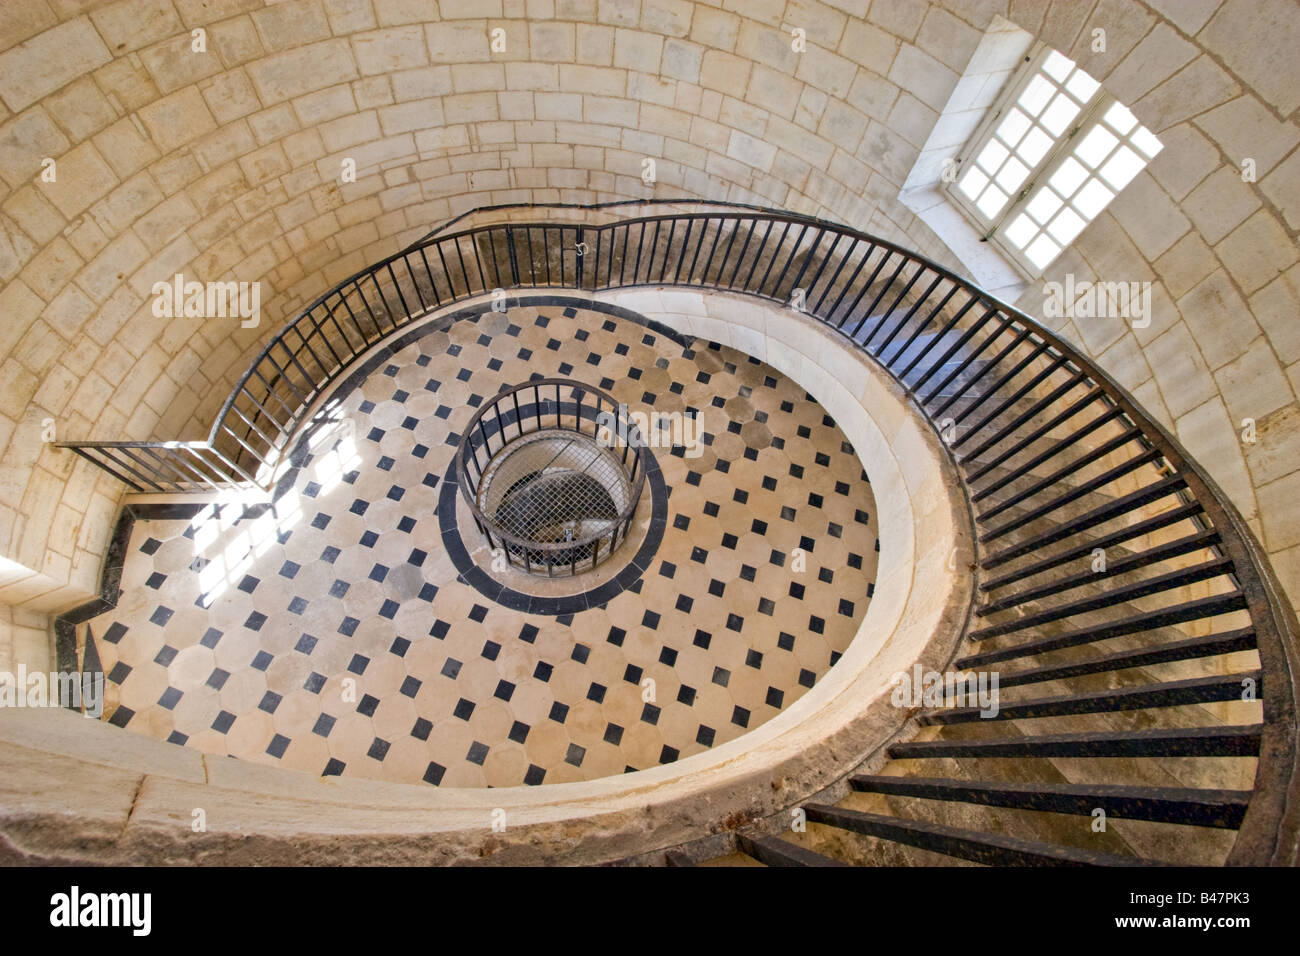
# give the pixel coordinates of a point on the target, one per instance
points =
(555, 488)
(552, 471)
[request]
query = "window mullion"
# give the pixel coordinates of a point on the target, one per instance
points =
(1088, 117)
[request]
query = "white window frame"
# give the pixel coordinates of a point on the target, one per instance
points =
(1091, 115)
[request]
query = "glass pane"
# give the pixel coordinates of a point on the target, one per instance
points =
(1012, 175)
(1036, 95)
(991, 156)
(1120, 117)
(1095, 146)
(1035, 146)
(1092, 198)
(1066, 226)
(1021, 231)
(1057, 66)
(1042, 251)
(1043, 205)
(1058, 115)
(992, 201)
(1144, 140)
(1068, 177)
(1121, 168)
(1013, 127)
(1082, 86)
(972, 182)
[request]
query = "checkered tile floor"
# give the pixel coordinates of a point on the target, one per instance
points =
(331, 634)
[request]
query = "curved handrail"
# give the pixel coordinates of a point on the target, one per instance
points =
(941, 337)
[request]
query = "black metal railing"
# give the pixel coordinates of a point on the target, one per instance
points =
(546, 406)
(1058, 461)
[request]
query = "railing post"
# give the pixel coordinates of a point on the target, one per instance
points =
(514, 260)
(581, 253)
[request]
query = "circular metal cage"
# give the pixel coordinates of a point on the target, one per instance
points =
(552, 471)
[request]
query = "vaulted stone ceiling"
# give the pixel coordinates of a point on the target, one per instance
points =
(228, 164)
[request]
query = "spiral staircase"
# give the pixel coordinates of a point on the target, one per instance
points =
(1146, 655)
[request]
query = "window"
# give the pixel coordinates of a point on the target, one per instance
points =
(1052, 154)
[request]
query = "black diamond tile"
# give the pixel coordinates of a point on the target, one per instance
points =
(324, 724)
(223, 722)
(170, 698)
(119, 672)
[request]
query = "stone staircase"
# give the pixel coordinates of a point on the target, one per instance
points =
(1111, 617)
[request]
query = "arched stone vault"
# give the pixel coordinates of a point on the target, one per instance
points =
(227, 164)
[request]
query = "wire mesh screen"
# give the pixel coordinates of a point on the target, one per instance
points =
(555, 487)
